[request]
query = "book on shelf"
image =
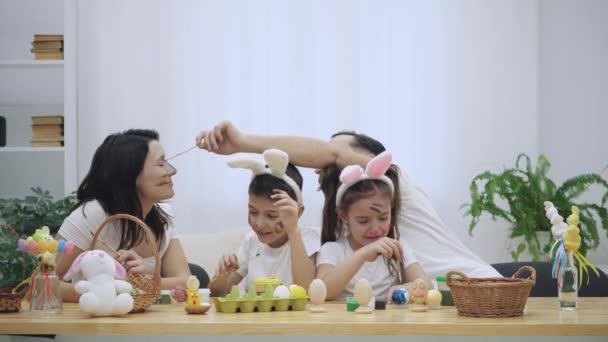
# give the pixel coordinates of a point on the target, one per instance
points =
(47, 120)
(47, 138)
(52, 44)
(37, 50)
(44, 130)
(48, 55)
(47, 143)
(47, 37)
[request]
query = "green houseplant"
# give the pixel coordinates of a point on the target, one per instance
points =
(11, 261)
(516, 195)
(34, 211)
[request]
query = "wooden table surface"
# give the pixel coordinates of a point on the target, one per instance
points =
(541, 318)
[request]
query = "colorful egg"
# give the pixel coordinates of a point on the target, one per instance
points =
(419, 290)
(52, 246)
(296, 291)
(32, 247)
(60, 246)
(433, 299)
(400, 296)
(69, 246)
(42, 246)
(22, 245)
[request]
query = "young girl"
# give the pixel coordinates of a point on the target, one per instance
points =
(128, 175)
(365, 243)
(277, 247)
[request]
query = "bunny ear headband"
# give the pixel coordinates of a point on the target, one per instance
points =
(376, 168)
(276, 165)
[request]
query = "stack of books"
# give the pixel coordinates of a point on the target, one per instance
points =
(47, 46)
(47, 131)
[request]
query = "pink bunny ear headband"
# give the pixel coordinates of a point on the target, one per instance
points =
(277, 162)
(376, 168)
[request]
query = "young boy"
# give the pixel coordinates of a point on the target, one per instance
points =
(277, 246)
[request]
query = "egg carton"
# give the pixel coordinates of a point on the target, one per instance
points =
(251, 302)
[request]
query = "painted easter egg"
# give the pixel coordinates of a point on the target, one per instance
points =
(317, 291)
(296, 291)
(282, 292)
(419, 290)
(400, 296)
(433, 298)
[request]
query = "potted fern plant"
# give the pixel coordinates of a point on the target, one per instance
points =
(516, 195)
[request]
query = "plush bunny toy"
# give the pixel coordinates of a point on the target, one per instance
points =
(99, 290)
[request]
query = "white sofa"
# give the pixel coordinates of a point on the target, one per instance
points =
(206, 249)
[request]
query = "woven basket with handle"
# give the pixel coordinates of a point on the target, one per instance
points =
(491, 297)
(11, 302)
(148, 285)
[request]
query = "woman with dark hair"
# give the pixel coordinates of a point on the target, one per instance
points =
(437, 250)
(128, 175)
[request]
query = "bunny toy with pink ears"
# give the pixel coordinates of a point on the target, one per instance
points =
(99, 291)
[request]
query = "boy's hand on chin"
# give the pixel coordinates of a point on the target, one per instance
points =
(288, 212)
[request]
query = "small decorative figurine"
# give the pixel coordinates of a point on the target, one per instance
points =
(102, 291)
(363, 294)
(44, 293)
(419, 292)
(318, 293)
(567, 240)
(400, 297)
(193, 303)
(433, 299)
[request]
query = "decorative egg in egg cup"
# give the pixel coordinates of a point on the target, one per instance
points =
(279, 298)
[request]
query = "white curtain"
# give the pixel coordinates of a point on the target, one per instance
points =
(449, 87)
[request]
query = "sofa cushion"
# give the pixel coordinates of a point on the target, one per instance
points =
(206, 249)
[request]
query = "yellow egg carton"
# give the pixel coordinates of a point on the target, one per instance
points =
(251, 302)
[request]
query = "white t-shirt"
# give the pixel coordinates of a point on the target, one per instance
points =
(83, 222)
(258, 259)
(437, 250)
(376, 272)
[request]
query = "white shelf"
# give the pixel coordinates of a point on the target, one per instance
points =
(30, 62)
(31, 149)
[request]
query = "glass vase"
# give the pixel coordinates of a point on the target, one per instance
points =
(46, 293)
(567, 291)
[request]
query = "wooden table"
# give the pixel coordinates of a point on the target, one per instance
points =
(542, 318)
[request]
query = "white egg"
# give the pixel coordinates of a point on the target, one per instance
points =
(282, 292)
(317, 291)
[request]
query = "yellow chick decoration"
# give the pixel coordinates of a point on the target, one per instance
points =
(572, 236)
(193, 302)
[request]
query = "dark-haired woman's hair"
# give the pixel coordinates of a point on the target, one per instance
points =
(112, 182)
(263, 185)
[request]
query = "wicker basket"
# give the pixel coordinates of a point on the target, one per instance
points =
(11, 302)
(491, 297)
(149, 284)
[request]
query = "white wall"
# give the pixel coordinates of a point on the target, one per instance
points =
(573, 106)
(28, 90)
(450, 87)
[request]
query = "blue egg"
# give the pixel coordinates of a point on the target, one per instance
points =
(400, 296)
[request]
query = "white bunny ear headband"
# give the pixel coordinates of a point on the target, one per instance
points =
(376, 169)
(276, 165)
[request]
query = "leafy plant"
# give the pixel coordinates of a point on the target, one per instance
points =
(32, 212)
(523, 190)
(11, 262)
